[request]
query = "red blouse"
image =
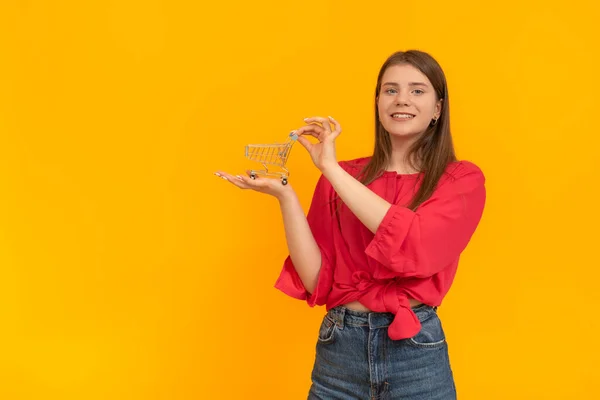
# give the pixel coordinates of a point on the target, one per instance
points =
(412, 254)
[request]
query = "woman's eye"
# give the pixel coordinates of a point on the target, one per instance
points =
(419, 91)
(391, 91)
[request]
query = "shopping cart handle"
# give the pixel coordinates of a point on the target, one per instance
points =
(293, 135)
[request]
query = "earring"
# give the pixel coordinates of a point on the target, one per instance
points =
(433, 122)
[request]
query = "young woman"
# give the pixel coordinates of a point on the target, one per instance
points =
(382, 239)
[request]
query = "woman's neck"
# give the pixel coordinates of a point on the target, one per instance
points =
(399, 161)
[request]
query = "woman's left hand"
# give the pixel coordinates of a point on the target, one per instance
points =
(323, 152)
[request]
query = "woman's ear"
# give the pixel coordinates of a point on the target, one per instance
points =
(438, 108)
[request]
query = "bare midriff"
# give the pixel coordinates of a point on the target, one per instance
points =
(357, 306)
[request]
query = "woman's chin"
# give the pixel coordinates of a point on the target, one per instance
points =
(403, 134)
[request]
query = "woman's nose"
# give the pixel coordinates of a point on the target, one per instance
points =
(402, 98)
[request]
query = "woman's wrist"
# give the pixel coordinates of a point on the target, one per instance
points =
(286, 195)
(330, 168)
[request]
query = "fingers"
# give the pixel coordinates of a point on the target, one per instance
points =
(312, 130)
(246, 182)
(338, 127)
(235, 180)
(322, 121)
(326, 127)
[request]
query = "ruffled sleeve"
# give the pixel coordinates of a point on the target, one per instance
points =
(320, 218)
(421, 243)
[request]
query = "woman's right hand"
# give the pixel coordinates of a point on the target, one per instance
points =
(270, 186)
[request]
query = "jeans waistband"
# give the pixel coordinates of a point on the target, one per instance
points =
(374, 320)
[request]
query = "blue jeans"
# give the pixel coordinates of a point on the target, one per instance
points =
(356, 359)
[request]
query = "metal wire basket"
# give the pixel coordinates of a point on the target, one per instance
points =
(271, 155)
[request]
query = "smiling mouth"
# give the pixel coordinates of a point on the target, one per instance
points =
(402, 116)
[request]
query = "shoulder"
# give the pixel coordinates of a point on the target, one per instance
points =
(462, 175)
(454, 170)
(463, 168)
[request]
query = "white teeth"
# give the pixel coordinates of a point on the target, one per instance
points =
(405, 116)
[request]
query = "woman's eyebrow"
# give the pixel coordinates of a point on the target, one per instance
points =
(409, 84)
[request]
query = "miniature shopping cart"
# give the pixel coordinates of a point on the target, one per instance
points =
(275, 154)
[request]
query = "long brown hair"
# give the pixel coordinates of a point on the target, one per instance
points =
(434, 150)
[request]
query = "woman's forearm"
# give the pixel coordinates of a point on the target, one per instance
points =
(368, 207)
(303, 249)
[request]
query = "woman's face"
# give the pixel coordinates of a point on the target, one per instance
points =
(407, 102)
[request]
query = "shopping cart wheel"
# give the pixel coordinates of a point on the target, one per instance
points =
(253, 175)
(284, 181)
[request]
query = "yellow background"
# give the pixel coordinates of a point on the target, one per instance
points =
(129, 271)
